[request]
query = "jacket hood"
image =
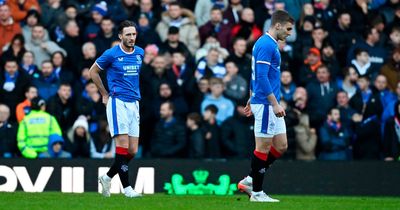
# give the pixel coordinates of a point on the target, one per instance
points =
(53, 139)
(80, 122)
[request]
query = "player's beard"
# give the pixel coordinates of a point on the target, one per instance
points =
(127, 44)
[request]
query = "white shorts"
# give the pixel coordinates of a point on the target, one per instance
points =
(266, 123)
(123, 117)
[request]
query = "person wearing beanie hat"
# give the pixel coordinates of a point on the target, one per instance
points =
(101, 8)
(150, 52)
(79, 138)
(311, 63)
(98, 12)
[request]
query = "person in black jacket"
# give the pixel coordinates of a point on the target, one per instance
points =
(105, 36)
(368, 105)
(13, 83)
(169, 137)
(8, 134)
(236, 134)
(211, 132)
(391, 141)
(196, 141)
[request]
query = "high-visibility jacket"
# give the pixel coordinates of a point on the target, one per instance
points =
(34, 132)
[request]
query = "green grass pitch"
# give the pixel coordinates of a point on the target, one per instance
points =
(57, 200)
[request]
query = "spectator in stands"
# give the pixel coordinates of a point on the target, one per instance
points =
(343, 36)
(349, 83)
(391, 70)
(304, 39)
(288, 87)
(80, 83)
(15, 49)
(389, 109)
(185, 21)
(70, 13)
(368, 105)
(41, 46)
(166, 94)
(370, 44)
(36, 130)
(391, 143)
(247, 28)
(147, 9)
(62, 72)
(105, 36)
(79, 138)
(196, 141)
(169, 138)
(123, 10)
(204, 7)
(224, 105)
(8, 134)
(20, 9)
(72, 44)
(24, 107)
(263, 10)
(55, 149)
(146, 34)
(101, 145)
(362, 64)
(236, 87)
(380, 84)
(89, 52)
(13, 83)
(8, 27)
(241, 58)
(211, 132)
(334, 138)
(346, 111)
(211, 42)
(217, 28)
(150, 52)
(328, 57)
(173, 43)
(326, 13)
(318, 35)
(182, 71)
(310, 66)
(306, 137)
(232, 12)
(27, 64)
(61, 106)
(51, 9)
(360, 15)
(202, 89)
(210, 66)
(98, 12)
(235, 134)
(47, 83)
(321, 96)
(394, 41)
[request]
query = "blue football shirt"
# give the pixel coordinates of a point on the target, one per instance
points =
(265, 64)
(123, 69)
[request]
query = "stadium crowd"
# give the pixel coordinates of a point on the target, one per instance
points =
(340, 77)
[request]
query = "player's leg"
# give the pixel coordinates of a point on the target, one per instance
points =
(279, 143)
(133, 133)
(117, 121)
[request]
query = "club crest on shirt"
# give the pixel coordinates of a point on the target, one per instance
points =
(139, 59)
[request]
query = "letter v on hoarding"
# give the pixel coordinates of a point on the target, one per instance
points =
(26, 182)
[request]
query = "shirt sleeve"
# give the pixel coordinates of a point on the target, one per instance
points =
(263, 66)
(105, 60)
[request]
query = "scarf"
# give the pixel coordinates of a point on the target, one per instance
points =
(334, 125)
(397, 127)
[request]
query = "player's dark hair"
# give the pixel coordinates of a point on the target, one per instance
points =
(281, 17)
(212, 108)
(125, 24)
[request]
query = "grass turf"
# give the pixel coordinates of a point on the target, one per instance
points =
(57, 200)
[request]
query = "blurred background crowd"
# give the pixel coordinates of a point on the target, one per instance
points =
(340, 77)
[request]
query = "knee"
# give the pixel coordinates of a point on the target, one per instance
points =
(132, 151)
(282, 148)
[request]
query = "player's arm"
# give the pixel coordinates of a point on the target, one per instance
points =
(262, 68)
(95, 76)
